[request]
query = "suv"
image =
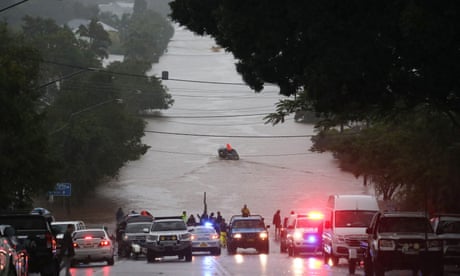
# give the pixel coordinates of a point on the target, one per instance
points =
(168, 236)
(247, 232)
(134, 236)
(33, 232)
(447, 228)
(306, 235)
(402, 240)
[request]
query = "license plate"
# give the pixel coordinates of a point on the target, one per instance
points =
(250, 240)
(203, 244)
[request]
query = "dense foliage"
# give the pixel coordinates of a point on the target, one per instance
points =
(26, 168)
(391, 66)
(66, 118)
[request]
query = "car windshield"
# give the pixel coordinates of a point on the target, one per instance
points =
(248, 224)
(92, 233)
(137, 227)
(169, 226)
(449, 227)
(59, 228)
(354, 218)
(405, 225)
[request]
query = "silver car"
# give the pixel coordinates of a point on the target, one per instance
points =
(93, 245)
(205, 238)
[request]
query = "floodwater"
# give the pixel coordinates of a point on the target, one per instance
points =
(212, 107)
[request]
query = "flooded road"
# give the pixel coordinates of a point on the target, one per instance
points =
(212, 108)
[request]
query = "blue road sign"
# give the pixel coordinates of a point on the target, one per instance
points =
(62, 189)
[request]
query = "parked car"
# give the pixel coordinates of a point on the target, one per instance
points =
(169, 236)
(13, 259)
(92, 245)
(134, 237)
(59, 228)
(307, 233)
(247, 232)
(447, 228)
(33, 232)
(402, 240)
(205, 238)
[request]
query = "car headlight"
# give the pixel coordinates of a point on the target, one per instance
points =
(186, 236)
(298, 235)
(237, 236)
(125, 237)
(387, 245)
(263, 235)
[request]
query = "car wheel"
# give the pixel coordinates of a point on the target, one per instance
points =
(188, 255)
(368, 269)
(231, 250)
(150, 256)
(216, 251)
(111, 261)
(352, 266)
(378, 268)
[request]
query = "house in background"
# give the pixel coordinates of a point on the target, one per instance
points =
(117, 8)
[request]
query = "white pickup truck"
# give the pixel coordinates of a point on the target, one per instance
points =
(169, 236)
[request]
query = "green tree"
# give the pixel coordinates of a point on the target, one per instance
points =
(99, 40)
(26, 169)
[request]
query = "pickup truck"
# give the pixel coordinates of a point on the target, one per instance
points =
(33, 232)
(402, 240)
(168, 236)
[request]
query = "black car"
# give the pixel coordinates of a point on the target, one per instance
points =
(247, 232)
(402, 240)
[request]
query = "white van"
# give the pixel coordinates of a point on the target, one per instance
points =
(59, 227)
(346, 220)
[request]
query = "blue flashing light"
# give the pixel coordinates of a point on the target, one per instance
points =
(208, 224)
(312, 239)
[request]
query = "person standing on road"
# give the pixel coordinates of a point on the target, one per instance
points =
(245, 211)
(277, 223)
(184, 216)
(119, 215)
(67, 251)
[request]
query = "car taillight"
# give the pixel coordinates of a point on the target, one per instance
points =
(104, 243)
(50, 241)
(75, 245)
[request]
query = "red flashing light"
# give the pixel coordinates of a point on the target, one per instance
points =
(88, 238)
(316, 215)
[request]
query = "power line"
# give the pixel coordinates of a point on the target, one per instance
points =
(229, 136)
(144, 76)
(246, 155)
(213, 116)
(13, 5)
